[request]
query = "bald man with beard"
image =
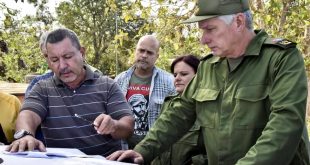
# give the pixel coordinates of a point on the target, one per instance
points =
(144, 78)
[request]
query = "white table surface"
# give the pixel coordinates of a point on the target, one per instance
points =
(20, 160)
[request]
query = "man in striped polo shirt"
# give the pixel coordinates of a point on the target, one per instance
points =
(77, 108)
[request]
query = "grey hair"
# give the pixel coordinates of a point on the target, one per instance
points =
(248, 19)
(228, 19)
(42, 41)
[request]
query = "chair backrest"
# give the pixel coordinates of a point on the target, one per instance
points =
(10, 106)
(2, 136)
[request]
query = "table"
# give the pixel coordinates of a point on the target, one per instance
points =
(87, 160)
(17, 89)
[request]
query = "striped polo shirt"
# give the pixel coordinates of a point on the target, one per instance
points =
(57, 105)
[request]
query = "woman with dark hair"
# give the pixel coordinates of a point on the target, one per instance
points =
(190, 148)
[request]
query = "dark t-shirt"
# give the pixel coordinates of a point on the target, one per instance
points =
(138, 97)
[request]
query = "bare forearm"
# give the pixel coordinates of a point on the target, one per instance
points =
(28, 120)
(124, 127)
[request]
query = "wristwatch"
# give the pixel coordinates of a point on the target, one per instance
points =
(21, 133)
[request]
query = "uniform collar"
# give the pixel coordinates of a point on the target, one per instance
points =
(255, 46)
(90, 75)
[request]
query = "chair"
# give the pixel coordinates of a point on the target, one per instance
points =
(10, 106)
(3, 139)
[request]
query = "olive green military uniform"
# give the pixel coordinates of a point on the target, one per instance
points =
(252, 114)
(188, 150)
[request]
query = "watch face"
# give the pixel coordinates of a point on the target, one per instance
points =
(20, 134)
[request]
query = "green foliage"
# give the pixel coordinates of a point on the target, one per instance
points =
(21, 37)
(163, 20)
(285, 19)
(110, 29)
(23, 57)
(100, 27)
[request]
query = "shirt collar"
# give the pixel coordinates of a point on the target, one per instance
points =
(215, 59)
(255, 46)
(132, 69)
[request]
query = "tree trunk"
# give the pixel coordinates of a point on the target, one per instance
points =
(285, 10)
(259, 5)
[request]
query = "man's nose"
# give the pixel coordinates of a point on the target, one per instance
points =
(144, 54)
(62, 64)
(205, 39)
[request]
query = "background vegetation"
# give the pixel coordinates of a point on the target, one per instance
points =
(109, 29)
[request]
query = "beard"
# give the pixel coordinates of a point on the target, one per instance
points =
(141, 64)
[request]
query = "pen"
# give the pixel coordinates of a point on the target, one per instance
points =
(80, 117)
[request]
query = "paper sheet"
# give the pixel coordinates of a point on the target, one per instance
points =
(48, 154)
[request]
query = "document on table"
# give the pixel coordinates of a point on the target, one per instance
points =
(48, 154)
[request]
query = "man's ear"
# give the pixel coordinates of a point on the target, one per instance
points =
(45, 55)
(83, 51)
(240, 21)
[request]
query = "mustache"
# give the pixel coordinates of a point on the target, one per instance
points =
(142, 61)
(64, 71)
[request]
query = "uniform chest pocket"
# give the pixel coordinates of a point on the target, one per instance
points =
(206, 106)
(252, 107)
(191, 137)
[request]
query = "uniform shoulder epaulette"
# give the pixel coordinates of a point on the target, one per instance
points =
(206, 57)
(283, 43)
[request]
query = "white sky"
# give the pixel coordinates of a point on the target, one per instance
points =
(25, 8)
(28, 9)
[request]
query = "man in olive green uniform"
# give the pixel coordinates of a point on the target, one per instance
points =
(249, 95)
(188, 150)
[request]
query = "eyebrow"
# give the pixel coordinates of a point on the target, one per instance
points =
(67, 53)
(206, 26)
(202, 26)
(149, 51)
